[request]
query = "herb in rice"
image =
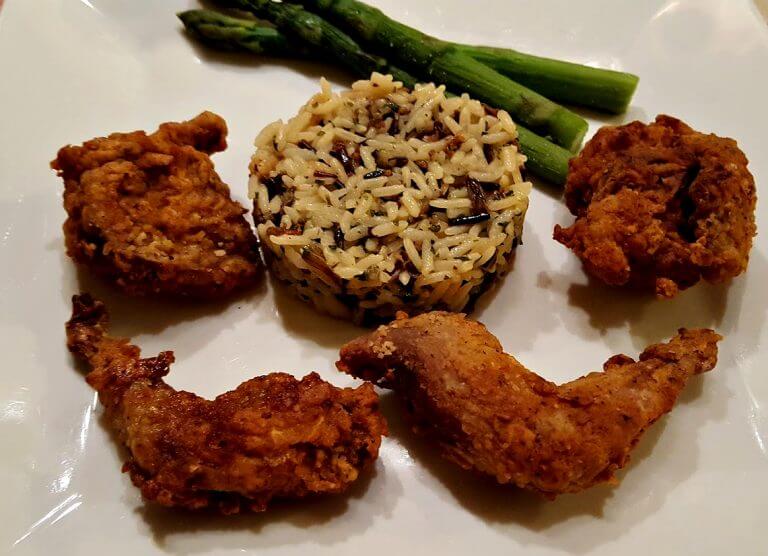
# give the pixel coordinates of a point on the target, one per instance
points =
(384, 199)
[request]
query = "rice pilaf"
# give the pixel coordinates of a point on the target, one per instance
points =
(384, 199)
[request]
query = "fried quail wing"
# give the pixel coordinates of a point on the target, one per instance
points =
(273, 436)
(488, 413)
(660, 206)
(150, 213)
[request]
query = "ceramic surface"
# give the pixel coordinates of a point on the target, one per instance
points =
(74, 69)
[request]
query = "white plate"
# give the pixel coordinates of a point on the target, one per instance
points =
(71, 70)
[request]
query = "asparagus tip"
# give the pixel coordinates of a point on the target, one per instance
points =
(187, 16)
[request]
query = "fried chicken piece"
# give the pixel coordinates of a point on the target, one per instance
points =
(660, 206)
(149, 212)
(488, 413)
(272, 437)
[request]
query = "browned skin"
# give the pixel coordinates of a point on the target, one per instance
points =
(490, 414)
(660, 207)
(149, 212)
(273, 436)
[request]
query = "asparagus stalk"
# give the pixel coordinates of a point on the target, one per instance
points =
(561, 81)
(564, 82)
(463, 74)
(439, 60)
(546, 160)
(314, 32)
(231, 33)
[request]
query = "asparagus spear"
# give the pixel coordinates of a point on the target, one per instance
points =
(233, 33)
(461, 73)
(439, 60)
(562, 81)
(545, 159)
(565, 82)
(314, 32)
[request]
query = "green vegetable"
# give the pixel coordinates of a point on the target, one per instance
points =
(564, 82)
(437, 59)
(317, 35)
(561, 81)
(461, 73)
(545, 159)
(230, 33)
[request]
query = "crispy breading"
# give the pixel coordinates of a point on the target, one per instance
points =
(150, 213)
(660, 206)
(272, 437)
(488, 413)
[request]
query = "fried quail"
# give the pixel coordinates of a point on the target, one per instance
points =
(660, 207)
(150, 213)
(272, 437)
(488, 413)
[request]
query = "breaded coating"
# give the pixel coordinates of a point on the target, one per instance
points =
(149, 212)
(272, 437)
(488, 413)
(660, 206)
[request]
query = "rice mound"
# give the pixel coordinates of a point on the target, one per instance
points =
(383, 199)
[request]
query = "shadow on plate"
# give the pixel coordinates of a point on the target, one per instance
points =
(285, 522)
(314, 69)
(484, 497)
(605, 119)
(649, 320)
(134, 315)
(513, 292)
(530, 519)
(301, 319)
(610, 307)
(549, 189)
(308, 519)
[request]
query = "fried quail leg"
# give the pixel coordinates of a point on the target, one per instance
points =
(273, 436)
(490, 414)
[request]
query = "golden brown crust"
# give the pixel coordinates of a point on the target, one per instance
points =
(149, 212)
(660, 206)
(490, 414)
(272, 437)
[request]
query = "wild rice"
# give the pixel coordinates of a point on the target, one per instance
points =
(382, 199)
